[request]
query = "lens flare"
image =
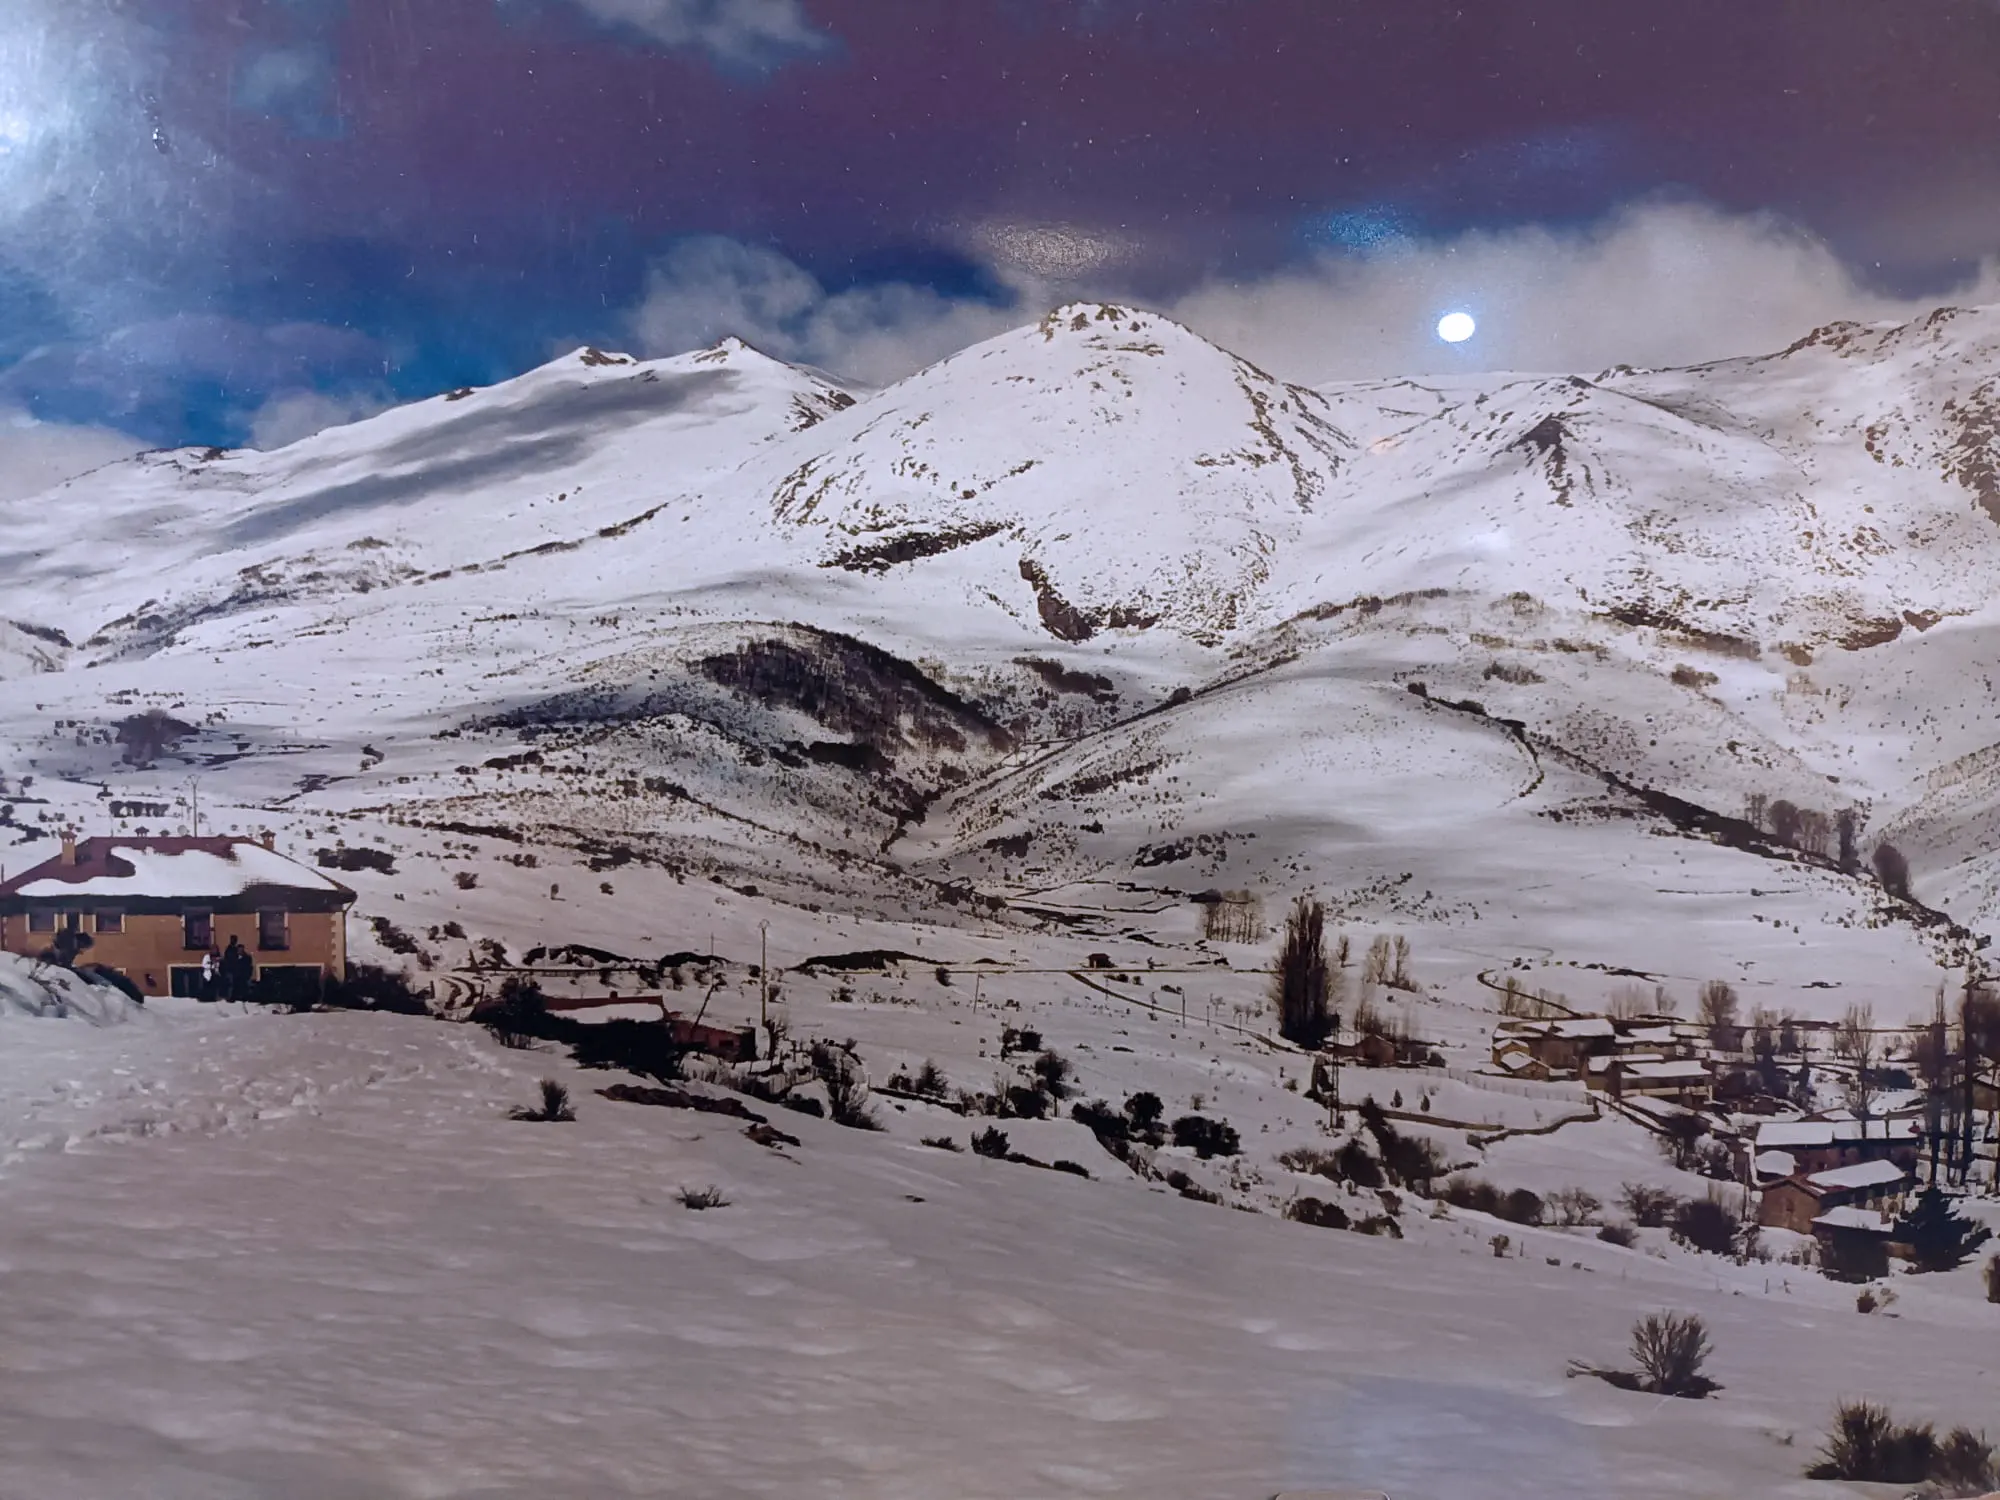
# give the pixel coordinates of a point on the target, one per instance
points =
(1456, 327)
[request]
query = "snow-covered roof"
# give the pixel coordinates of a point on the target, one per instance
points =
(1649, 1036)
(1775, 1164)
(1670, 1071)
(1853, 1218)
(1861, 1174)
(1513, 1062)
(1583, 1027)
(1787, 1135)
(109, 868)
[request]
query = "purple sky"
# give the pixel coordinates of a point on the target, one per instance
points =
(237, 200)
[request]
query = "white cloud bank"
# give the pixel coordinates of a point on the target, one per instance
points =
(37, 455)
(1657, 284)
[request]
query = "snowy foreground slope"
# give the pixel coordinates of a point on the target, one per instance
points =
(307, 1257)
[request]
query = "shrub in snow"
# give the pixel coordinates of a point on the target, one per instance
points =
(945, 1143)
(1519, 1206)
(1187, 1187)
(1075, 1169)
(1145, 1110)
(1670, 1349)
(1680, 1139)
(708, 1197)
(1706, 1224)
(1940, 1239)
(1868, 1445)
(1316, 1212)
(930, 1081)
(839, 1072)
(1055, 1073)
(992, 1142)
(372, 987)
(1353, 1164)
(1206, 1137)
(1993, 1279)
(1012, 1041)
(1619, 1234)
(555, 1105)
(804, 1104)
(1650, 1207)
(1380, 1224)
(1023, 1103)
(1573, 1206)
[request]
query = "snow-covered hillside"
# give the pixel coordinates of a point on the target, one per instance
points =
(1490, 656)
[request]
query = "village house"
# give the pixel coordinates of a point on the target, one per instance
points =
(150, 909)
(1800, 1201)
(1684, 1080)
(1823, 1144)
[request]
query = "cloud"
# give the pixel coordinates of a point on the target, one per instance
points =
(145, 374)
(755, 34)
(709, 287)
(292, 415)
(288, 73)
(1656, 284)
(35, 455)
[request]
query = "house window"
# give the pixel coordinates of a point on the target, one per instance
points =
(72, 921)
(111, 921)
(42, 920)
(271, 933)
(197, 930)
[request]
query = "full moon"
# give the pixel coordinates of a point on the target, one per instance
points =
(1456, 327)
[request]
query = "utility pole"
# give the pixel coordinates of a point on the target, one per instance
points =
(764, 977)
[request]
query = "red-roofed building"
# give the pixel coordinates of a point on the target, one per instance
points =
(152, 908)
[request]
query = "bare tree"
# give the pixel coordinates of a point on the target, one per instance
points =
(1341, 951)
(1629, 1002)
(1892, 870)
(1300, 987)
(1375, 966)
(1755, 807)
(1234, 917)
(1931, 1058)
(1784, 821)
(1814, 830)
(1847, 830)
(1716, 1005)
(1399, 965)
(1854, 1042)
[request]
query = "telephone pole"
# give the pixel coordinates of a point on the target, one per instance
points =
(764, 977)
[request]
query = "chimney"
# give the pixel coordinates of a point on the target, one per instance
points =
(69, 846)
(268, 839)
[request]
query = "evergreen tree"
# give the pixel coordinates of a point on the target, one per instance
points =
(1938, 1237)
(1302, 984)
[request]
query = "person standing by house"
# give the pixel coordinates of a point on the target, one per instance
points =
(237, 969)
(211, 972)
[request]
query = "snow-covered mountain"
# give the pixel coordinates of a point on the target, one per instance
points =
(1096, 606)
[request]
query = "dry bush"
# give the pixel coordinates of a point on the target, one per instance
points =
(1670, 1349)
(708, 1197)
(555, 1105)
(1572, 1207)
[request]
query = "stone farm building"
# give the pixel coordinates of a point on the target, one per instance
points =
(1800, 1202)
(1790, 1147)
(152, 907)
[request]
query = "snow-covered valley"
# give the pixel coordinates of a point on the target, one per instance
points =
(1011, 669)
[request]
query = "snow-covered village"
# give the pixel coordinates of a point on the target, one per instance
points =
(1084, 844)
